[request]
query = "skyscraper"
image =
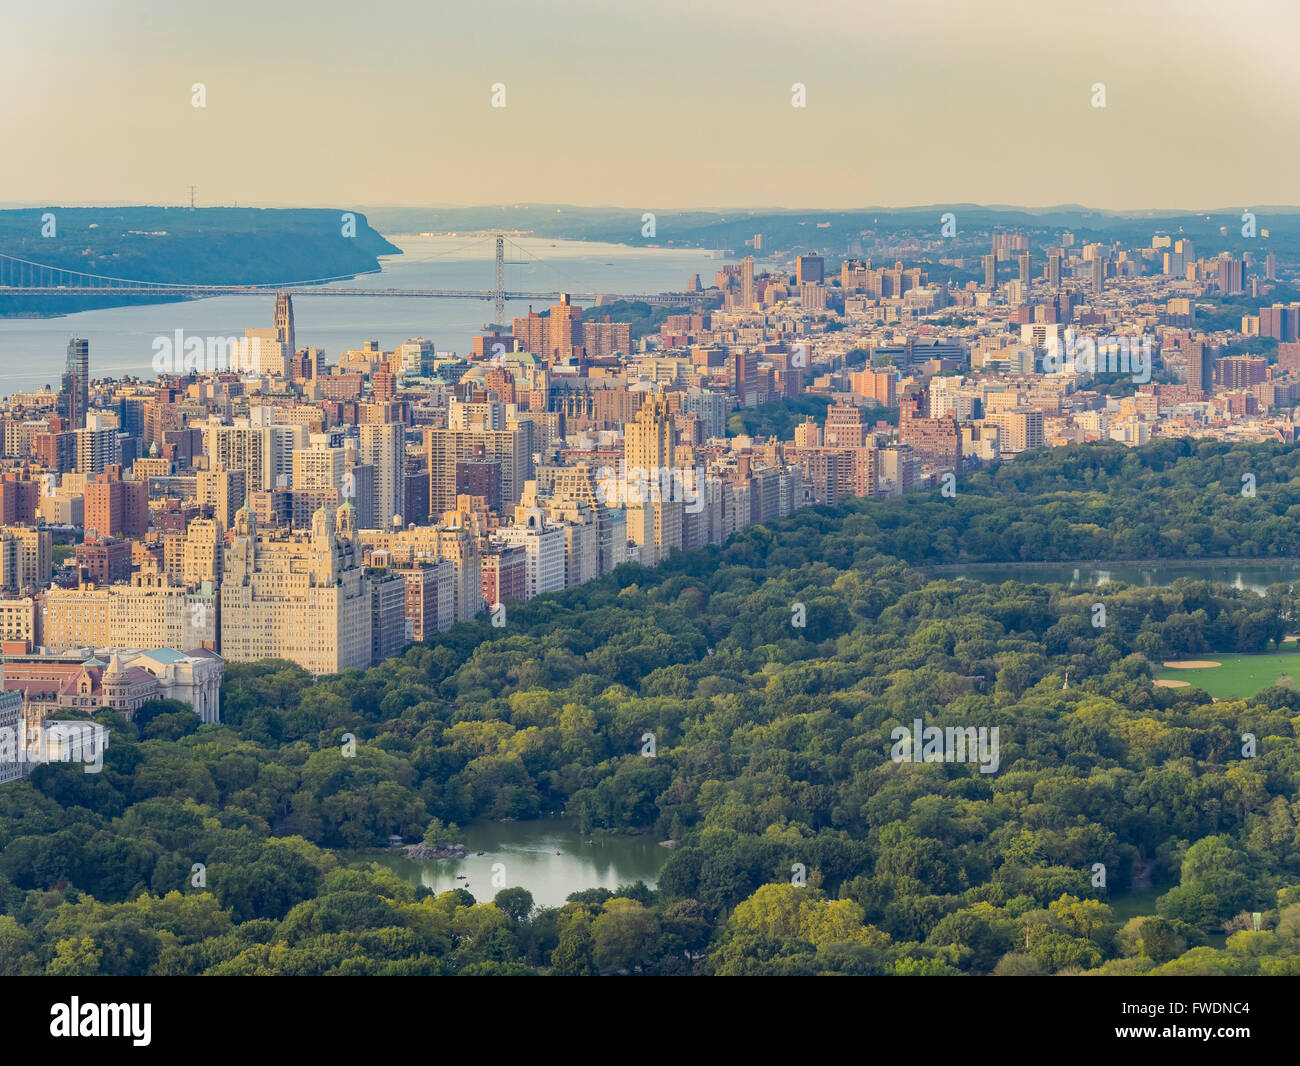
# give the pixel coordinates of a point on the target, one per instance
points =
(1200, 366)
(747, 282)
(383, 446)
(1230, 274)
(990, 271)
(649, 439)
(810, 269)
(1098, 273)
(565, 327)
(74, 396)
(284, 321)
(653, 495)
(1024, 268)
(1054, 270)
(471, 426)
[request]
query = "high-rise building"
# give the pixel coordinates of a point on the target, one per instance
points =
(383, 446)
(565, 331)
(543, 547)
(603, 339)
(284, 321)
(387, 615)
(319, 467)
(479, 475)
(1054, 270)
(532, 333)
(74, 396)
(1229, 275)
(150, 612)
(224, 491)
(1019, 429)
(574, 489)
(414, 359)
(844, 426)
(1200, 366)
(810, 270)
(653, 489)
(990, 271)
(497, 433)
(263, 452)
(649, 439)
(878, 385)
(747, 282)
(709, 407)
(104, 560)
(202, 553)
(1240, 371)
(1024, 268)
(383, 384)
(743, 373)
(26, 557)
(812, 297)
(430, 597)
(261, 352)
(12, 721)
(359, 489)
(305, 597)
(1098, 273)
(116, 508)
(97, 445)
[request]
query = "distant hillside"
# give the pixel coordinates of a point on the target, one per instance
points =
(830, 231)
(209, 246)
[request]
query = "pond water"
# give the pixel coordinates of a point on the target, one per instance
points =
(547, 856)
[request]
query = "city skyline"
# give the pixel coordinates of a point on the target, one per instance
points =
(453, 579)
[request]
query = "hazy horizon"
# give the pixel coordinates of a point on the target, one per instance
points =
(322, 104)
(757, 209)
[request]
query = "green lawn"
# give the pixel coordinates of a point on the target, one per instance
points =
(1137, 901)
(1240, 675)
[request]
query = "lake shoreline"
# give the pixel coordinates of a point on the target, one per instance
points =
(549, 856)
(1229, 560)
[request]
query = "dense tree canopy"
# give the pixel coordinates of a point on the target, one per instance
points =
(773, 754)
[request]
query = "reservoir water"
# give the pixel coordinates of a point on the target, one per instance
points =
(1254, 575)
(32, 351)
(547, 856)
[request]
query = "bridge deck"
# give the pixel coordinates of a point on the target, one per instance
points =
(196, 292)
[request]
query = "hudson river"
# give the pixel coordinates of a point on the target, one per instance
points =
(32, 351)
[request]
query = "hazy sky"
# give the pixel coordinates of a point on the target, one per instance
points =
(662, 104)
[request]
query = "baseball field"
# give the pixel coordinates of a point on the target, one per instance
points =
(1232, 676)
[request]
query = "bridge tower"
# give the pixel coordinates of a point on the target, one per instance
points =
(499, 288)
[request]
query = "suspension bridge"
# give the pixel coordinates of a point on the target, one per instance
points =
(22, 277)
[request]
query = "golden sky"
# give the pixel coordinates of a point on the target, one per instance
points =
(669, 104)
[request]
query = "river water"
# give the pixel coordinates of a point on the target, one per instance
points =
(547, 856)
(32, 351)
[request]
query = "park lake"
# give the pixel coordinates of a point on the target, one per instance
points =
(547, 856)
(1253, 574)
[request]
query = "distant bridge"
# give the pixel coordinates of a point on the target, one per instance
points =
(21, 277)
